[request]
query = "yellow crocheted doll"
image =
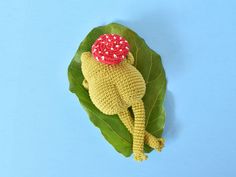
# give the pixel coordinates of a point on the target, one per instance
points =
(114, 85)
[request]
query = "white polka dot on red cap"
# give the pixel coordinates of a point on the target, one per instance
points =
(110, 49)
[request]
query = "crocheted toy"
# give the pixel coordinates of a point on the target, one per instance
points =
(114, 85)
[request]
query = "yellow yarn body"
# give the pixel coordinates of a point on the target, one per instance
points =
(114, 88)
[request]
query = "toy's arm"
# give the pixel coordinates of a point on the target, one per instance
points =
(85, 84)
(130, 58)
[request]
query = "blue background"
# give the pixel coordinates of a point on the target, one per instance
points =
(44, 132)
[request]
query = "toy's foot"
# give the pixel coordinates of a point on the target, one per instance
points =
(85, 84)
(161, 143)
(140, 157)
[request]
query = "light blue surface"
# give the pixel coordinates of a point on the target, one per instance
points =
(44, 132)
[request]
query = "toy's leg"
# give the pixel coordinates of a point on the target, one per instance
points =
(139, 130)
(152, 141)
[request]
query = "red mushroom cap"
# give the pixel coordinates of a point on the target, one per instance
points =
(110, 49)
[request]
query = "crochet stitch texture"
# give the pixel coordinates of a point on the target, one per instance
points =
(115, 88)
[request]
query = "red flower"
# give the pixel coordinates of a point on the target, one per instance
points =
(110, 49)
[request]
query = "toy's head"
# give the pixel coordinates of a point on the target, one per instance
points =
(109, 51)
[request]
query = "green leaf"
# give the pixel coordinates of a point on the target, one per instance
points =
(149, 64)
